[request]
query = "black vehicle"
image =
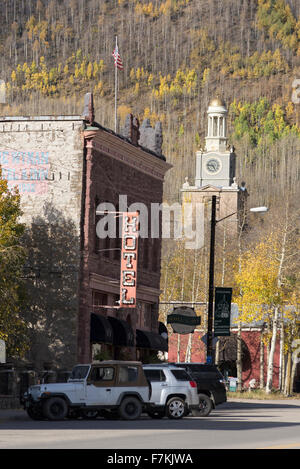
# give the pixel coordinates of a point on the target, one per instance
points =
(210, 384)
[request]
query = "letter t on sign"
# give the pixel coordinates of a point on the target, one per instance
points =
(129, 258)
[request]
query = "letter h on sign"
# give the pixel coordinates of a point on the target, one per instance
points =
(129, 254)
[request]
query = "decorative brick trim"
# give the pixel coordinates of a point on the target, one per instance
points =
(129, 154)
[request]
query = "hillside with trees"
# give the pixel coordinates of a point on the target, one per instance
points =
(177, 54)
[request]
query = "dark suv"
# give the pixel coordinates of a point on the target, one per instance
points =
(210, 385)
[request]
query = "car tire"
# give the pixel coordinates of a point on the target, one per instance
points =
(159, 414)
(55, 408)
(130, 408)
(205, 406)
(175, 408)
(35, 413)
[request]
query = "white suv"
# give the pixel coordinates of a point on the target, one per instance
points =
(107, 388)
(174, 393)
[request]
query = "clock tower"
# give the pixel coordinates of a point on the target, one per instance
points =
(216, 165)
(215, 173)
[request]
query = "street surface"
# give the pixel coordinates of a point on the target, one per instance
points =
(233, 425)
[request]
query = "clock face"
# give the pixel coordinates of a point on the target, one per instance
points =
(213, 165)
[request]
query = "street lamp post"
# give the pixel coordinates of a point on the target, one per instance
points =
(213, 222)
(209, 352)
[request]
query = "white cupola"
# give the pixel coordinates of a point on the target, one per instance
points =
(216, 139)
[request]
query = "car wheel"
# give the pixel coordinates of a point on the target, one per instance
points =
(205, 406)
(89, 414)
(175, 408)
(55, 408)
(156, 414)
(35, 413)
(130, 408)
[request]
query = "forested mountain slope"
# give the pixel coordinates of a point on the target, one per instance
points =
(177, 54)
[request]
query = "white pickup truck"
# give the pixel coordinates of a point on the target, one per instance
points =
(109, 388)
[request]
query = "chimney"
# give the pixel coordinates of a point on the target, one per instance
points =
(89, 111)
(132, 129)
(151, 138)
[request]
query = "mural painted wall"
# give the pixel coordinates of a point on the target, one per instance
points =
(29, 171)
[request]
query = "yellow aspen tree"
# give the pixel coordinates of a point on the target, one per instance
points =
(266, 281)
(132, 74)
(89, 71)
(77, 72)
(95, 69)
(13, 329)
(205, 76)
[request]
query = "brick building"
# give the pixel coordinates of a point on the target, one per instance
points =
(254, 352)
(64, 167)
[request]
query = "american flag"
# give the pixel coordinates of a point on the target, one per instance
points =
(117, 58)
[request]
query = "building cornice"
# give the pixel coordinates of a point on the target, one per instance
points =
(123, 151)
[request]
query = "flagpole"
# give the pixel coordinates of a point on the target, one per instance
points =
(116, 87)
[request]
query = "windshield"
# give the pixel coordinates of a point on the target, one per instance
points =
(204, 371)
(79, 372)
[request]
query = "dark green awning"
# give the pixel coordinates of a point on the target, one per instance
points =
(122, 332)
(101, 330)
(151, 340)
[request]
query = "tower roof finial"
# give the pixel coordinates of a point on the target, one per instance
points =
(217, 101)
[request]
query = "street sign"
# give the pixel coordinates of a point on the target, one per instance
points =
(184, 320)
(222, 311)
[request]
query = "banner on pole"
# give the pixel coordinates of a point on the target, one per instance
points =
(222, 311)
(129, 259)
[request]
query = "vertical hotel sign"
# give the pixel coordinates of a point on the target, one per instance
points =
(129, 254)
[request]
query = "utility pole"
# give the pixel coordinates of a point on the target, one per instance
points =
(209, 352)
